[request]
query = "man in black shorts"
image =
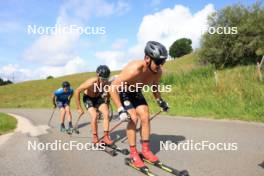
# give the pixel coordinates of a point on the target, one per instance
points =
(95, 99)
(131, 103)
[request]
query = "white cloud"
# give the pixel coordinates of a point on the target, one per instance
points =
(164, 26)
(119, 43)
(155, 2)
(20, 74)
(84, 9)
(114, 59)
(53, 50)
(168, 25)
(122, 7)
(57, 52)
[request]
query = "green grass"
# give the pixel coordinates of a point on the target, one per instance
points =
(238, 95)
(7, 123)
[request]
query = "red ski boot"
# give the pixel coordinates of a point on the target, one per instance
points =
(148, 155)
(107, 139)
(135, 159)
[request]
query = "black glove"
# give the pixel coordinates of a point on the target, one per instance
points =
(163, 105)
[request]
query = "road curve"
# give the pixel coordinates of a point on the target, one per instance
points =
(245, 156)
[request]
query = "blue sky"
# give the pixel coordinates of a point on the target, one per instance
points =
(128, 24)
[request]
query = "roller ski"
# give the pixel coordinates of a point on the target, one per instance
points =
(75, 130)
(117, 149)
(69, 130)
(108, 150)
(164, 167)
(144, 170)
(64, 130)
(136, 163)
(110, 144)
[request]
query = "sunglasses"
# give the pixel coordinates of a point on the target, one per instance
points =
(159, 62)
(66, 87)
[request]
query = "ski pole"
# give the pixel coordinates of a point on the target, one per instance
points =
(138, 129)
(112, 129)
(51, 116)
(78, 119)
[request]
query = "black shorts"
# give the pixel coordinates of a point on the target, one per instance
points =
(132, 100)
(92, 102)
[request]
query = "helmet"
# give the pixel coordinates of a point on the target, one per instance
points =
(103, 71)
(157, 52)
(65, 84)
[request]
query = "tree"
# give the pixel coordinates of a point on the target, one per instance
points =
(180, 47)
(2, 82)
(50, 77)
(240, 48)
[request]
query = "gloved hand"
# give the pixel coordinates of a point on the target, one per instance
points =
(123, 115)
(163, 104)
(104, 95)
(106, 98)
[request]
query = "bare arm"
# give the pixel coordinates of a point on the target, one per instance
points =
(78, 91)
(156, 83)
(54, 100)
(124, 76)
(157, 95)
(70, 97)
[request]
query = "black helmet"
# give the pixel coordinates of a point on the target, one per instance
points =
(157, 52)
(103, 71)
(65, 84)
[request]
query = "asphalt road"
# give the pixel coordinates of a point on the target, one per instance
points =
(243, 154)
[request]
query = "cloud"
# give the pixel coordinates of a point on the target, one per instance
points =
(113, 59)
(56, 53)
(164, 26)
(154, 3)
(84, 9)
(20, 74)
(119, 43)
(170, 24)
(53, 50)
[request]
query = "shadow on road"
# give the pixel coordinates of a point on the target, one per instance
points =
(118, 135)
(262, 164)
(155, 140)
(83, 124)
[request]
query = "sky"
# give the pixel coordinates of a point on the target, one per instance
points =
(114, 32)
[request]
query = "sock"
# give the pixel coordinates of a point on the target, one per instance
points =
(145, 144)
(133, 149)
(106, 133)
(62, 125)
(70, 124)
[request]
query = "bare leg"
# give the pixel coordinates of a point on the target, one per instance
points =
(68, 112)
(93, 114)
(62, 115)
(131, 127)
(143, 112)
(105, 111)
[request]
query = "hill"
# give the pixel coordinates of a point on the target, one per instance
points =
(238, 93)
